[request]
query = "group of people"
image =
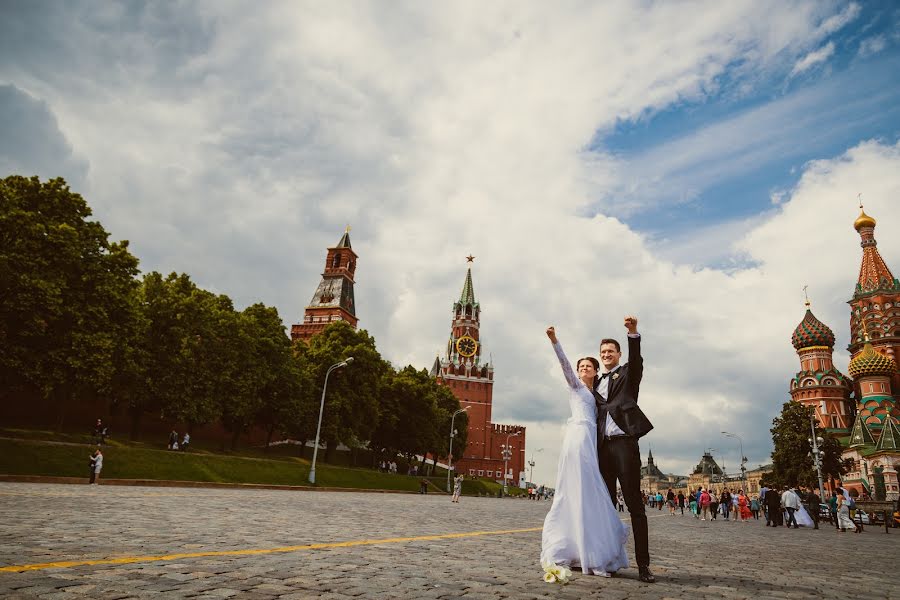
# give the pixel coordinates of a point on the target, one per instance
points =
(175, 445)
(388, 466)
(706, 503)
(538, 493)
(582, 530)
(792, 507)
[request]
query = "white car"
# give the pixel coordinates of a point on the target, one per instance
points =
(862, 516)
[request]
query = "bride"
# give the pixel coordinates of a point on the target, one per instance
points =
(582, 528)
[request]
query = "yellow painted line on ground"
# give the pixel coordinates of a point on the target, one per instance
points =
(124, 560)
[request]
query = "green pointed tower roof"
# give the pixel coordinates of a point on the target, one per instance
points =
(890, 436)
(860, 434)
(468, 292)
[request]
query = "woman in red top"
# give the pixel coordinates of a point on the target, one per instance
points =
(744, 506)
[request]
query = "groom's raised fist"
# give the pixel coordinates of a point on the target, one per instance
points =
(631, 324)
(551, 333)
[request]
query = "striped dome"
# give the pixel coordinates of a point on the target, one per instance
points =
(871, 362)
(812, 332)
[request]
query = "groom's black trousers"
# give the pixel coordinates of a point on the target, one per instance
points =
(620, 458)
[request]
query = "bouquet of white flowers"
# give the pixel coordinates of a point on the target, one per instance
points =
(556, 573)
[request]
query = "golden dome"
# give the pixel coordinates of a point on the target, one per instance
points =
(871, 362)
(863, 220)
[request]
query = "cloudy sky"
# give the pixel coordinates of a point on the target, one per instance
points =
(694, 163)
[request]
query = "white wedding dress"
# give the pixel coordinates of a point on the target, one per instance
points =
(802, 517)
(582, 528)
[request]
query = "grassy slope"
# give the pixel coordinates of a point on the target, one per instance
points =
(37, 457)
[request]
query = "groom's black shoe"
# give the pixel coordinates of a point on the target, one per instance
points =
(645, 575)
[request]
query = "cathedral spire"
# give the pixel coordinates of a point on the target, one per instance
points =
(874, 274)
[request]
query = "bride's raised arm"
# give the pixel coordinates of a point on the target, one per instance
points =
(571, 379)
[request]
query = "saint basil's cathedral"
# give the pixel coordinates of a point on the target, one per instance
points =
(862, 410)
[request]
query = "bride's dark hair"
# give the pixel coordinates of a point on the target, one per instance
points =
(592, 360)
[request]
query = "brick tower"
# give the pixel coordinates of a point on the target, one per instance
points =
(818, 384)
(333, 300)
(471, 379)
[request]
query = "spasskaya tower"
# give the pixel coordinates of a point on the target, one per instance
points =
(470, 376)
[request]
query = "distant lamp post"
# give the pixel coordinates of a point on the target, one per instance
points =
(450, 455)
(531, 464)
(816, 452)
(507, 454)
(343, 363)
(743, 458)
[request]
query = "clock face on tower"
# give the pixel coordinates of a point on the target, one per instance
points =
(466, 346)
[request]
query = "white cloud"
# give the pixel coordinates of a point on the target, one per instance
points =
(872, 45)
(813, 58)
(840, 20)
(237, 145)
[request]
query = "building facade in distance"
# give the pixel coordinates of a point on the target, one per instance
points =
(470, 377)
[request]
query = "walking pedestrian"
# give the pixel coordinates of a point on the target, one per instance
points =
(754, 507)
(457, 488)
(725, 503)
(681, 502)
(185, 441)
(812, 506)
(704, 504)
(791, 503)
(773, 507)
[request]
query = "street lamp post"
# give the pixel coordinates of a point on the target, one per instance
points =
(507, 454)
(531, 464)
(816, 452)
(450, 455)
(743, 458)
(343, 363)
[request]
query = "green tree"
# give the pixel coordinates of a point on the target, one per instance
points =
(415, 414)
(792, 462)
(66, 293)
(263, 385)
(187, 352)
(351, 403)
(447, 404)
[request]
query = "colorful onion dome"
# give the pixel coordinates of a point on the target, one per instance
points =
(812, 332)
(863, 220)
(871, 362)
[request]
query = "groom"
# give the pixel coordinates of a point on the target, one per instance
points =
(619, 425)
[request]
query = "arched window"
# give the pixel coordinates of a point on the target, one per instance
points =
(336, 261)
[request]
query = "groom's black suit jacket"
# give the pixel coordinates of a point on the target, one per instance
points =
(622, 396)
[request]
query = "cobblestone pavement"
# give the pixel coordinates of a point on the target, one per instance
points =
(692, 559)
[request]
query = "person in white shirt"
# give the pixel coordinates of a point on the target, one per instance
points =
(791, 502)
